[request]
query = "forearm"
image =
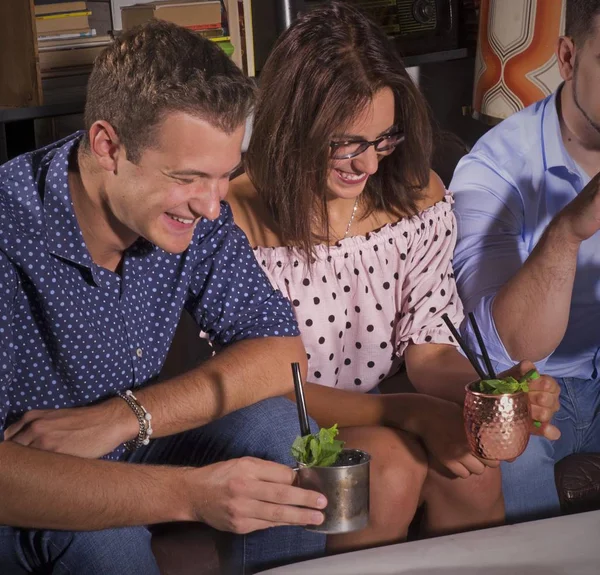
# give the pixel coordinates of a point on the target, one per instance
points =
(240, 375)
(351, 409)
(531, 311)
(439, 370)
(46, 490)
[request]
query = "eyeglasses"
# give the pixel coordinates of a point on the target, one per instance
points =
(352, 148)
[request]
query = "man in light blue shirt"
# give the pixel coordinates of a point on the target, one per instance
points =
(528, 255)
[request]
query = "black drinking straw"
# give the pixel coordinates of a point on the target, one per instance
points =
(486, 357)
(300, 401)
(464, 347)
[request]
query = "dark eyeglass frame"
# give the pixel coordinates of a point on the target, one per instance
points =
(364, 145)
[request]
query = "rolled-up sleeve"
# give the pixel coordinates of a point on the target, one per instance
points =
(230, 296)
(8, 288)
(490, 248)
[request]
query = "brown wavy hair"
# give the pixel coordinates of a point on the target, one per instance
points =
(321, 73)
(159, 68)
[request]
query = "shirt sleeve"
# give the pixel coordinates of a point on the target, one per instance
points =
(8, 288)
(230, 296)
(429, 290)
(490, 247)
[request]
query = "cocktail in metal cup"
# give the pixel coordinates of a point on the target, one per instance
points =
(497, 426)
(346, 487)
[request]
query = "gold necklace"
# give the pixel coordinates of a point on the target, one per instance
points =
(351, 217)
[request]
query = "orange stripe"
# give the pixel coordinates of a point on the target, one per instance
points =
(493, 71)
(543, 45)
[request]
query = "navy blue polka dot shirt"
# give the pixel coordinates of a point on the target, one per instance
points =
(72, 332)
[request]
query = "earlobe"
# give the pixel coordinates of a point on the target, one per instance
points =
(565, 53)
(105, 145)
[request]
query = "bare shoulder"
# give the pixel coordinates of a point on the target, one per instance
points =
(433, 193)
(250, 214)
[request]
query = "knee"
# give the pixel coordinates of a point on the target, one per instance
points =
(398, 462)
(268, 430)
(401, 464)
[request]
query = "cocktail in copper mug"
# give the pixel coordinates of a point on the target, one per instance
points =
(497, 426)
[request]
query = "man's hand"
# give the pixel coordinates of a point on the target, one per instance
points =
(247, 494)
(443, 433)
(81, 431)
(581, 216)
(544, 401)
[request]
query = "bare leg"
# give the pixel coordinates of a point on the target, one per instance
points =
(454, 504)
(398, 470)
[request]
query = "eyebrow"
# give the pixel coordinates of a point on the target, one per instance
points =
(362, 138)
(200, 174)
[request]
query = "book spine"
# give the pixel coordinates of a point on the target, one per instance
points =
(89, 34)
(200, 27)
(64, 15)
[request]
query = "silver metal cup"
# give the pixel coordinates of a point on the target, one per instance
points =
(346, 487)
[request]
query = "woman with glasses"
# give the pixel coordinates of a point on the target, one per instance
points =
(350, 223)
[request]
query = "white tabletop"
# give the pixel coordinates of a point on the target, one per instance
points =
(567, 545)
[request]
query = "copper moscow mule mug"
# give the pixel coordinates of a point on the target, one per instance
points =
(497, 426)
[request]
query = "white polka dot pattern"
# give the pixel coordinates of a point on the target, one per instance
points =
(72, 332)
(366, 298)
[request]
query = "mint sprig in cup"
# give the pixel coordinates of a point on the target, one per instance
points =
(510, 385)
(321, 449)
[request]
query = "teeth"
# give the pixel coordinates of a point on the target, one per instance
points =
(182, 220)
(353, 177)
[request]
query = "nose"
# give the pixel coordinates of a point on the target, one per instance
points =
(367, 162)
(206, 201)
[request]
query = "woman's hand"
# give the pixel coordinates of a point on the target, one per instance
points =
(441, 428)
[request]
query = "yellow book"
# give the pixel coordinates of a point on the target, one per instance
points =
(64, 15)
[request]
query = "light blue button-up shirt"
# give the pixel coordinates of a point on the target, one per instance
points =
(507, 190)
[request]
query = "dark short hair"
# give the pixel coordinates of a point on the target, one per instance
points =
(160, 68)
(321, 73)
(581, 19)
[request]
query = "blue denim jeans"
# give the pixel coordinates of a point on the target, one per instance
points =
(109, 552)
(528, 482)
(265, 430)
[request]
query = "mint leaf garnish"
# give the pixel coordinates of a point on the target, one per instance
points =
(318, 450)
(508, 384)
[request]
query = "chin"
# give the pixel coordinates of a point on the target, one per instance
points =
(171, 245)
(346, 192)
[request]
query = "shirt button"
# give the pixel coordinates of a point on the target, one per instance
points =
(139, 352)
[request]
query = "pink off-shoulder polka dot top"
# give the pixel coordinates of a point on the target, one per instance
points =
(366, 298)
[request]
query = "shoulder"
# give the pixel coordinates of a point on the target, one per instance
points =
(434, 192)
(250, 214)
(508, 149)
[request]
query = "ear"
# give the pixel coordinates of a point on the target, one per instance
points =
(566, 57)
(105, 146)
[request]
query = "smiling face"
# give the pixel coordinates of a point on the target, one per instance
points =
(347, 178)
(181, 179)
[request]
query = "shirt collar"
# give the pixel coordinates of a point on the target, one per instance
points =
(556, 157)
(64, 236)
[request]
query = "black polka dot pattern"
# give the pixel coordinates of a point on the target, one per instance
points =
(369, 296)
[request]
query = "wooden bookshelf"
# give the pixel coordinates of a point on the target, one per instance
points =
(20, 81)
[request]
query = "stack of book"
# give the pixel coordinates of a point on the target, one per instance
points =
(66, 42)
(204, 17)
